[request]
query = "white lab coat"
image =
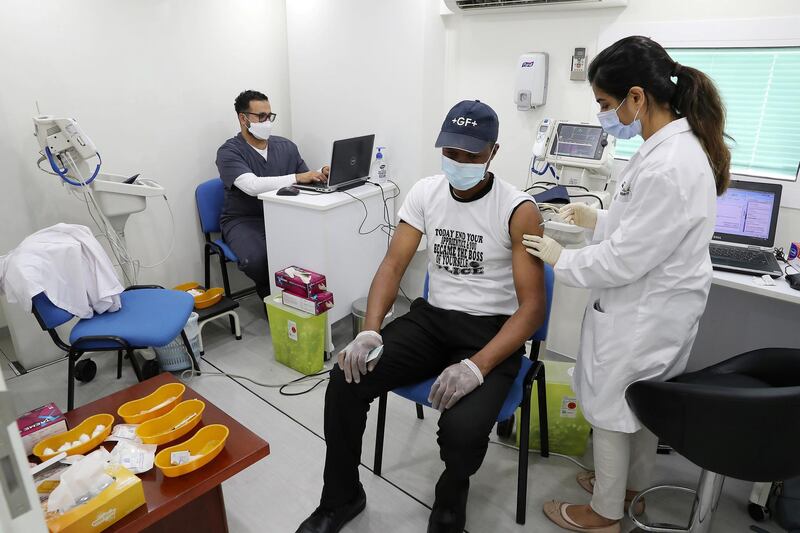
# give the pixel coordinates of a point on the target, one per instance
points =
(650, 273)
(65, 262)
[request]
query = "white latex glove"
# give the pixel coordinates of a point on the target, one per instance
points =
(579, 214)
(545, 248)
(353, 359)
(455, 382)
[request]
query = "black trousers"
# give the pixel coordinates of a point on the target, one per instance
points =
(247, 238)
(417, 346)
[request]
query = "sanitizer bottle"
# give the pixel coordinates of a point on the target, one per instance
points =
(381, 167)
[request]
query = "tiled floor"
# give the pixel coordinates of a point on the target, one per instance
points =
(277, 493)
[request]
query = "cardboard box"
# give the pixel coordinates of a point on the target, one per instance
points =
(315, 305)
(37, 425)
(300, 281)
(105, 509)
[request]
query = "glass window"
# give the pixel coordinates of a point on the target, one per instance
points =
(760, 88)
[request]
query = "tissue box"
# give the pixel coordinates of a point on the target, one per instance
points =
(314, 283)
(39, 424)
(105, 509)
(315, 305)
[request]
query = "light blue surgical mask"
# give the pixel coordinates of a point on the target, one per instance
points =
(610, 122)
(463, 176)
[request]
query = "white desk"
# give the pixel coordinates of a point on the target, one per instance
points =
(742, 316)
(320, 232)
(739, 316)
(746, 283)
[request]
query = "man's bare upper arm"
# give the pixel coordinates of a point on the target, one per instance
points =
(528, 270)
(403, 246)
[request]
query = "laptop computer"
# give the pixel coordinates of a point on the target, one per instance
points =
(350, 163)
(747, 215)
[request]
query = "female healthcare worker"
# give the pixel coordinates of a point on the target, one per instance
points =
(648, 265)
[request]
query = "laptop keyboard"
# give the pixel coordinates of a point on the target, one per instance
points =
(743, 255)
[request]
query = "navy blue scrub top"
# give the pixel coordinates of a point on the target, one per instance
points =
(236, 157)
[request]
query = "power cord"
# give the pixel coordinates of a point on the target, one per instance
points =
(532, 450)
(190, 373)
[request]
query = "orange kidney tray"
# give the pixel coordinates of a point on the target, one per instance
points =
(206, 297)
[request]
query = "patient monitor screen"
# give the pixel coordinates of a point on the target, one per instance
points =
(578, 140)
(745, 213)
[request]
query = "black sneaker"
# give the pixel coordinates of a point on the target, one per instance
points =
(330, 521)
(449, 512)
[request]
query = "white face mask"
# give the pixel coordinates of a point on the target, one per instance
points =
(610, 122)
(260, 130)
(463, 176)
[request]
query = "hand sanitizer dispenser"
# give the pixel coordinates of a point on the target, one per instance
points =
(531, 86)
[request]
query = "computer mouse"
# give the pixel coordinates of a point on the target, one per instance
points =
(288, 191)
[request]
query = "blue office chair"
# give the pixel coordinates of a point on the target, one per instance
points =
(209, 197)
(150, 316)
(519, 396)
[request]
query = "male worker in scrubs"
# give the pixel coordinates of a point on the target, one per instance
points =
(251, 163)
(486, 299)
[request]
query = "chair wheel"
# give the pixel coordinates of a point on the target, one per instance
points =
(85, 370)
(150, 369)
(506, 428)
(758, 512)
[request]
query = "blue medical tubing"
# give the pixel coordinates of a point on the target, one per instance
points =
(62, 172)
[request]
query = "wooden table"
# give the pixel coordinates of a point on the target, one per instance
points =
(192, 502)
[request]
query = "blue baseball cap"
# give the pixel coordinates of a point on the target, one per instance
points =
(470, 125)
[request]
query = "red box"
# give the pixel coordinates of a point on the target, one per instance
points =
(300, 281)
(315, 305)
(37, 425)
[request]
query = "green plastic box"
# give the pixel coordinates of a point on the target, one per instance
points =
(298, 338)
(568, 429)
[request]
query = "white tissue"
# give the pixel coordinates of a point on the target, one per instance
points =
(97, 430)
(304, 276)
(49, 451)
(84, 438)
(84, 477)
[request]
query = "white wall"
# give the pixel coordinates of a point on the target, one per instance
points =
(483, 50)
(152, 82)
(365, 66)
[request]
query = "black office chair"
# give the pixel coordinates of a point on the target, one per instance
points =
(737, 419)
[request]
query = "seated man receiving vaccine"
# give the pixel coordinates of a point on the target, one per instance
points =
(486, 299)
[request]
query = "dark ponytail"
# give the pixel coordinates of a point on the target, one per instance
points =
(640, 61)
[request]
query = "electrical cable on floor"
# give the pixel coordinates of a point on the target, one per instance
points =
(190, 373)
(533, 450)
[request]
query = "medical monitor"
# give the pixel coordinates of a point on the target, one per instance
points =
(747, 213)
(579, 145)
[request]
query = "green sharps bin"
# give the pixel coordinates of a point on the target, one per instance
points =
(568, 429)
(298, 338)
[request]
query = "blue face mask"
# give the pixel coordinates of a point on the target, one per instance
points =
(610, 122)
(463, 176)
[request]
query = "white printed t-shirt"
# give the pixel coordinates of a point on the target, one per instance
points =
(469, 244)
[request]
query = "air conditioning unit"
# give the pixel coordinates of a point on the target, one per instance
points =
(510, 6)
